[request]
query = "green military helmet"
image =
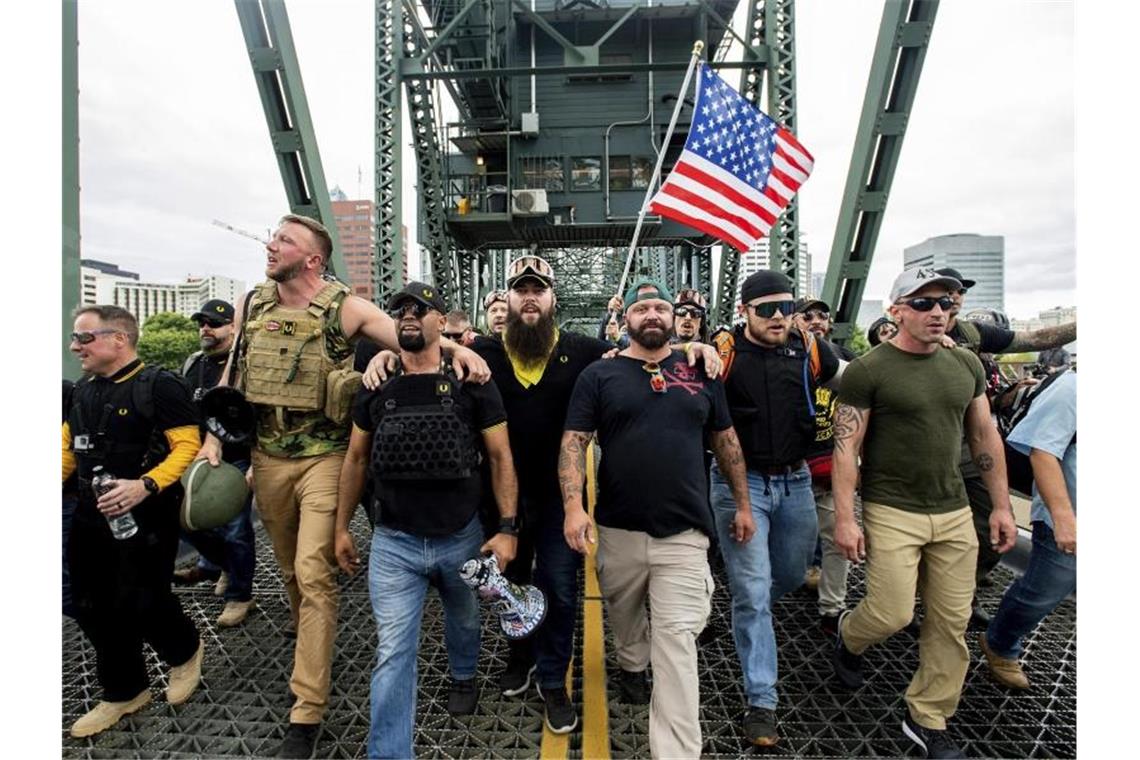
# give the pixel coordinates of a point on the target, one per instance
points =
(228, 415)
(214, 495)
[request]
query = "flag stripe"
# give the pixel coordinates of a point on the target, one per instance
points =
(746, 223)
(754, 200)
(788, 169)
(694, 181)
(700, 224)
(784, 180)
(727, 227)
(793, 146)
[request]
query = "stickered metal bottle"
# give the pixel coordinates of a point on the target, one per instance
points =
(123, 526)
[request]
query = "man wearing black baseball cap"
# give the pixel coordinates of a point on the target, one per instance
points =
(227, 553)
(772, 374)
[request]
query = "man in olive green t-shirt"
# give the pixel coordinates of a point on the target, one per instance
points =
(903, 406)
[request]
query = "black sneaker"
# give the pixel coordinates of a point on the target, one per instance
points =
(914, 627)
(829, 624)
(979, 619)
(300, 740)
(560, 715)
(520, 669)
(760, 726)
(633, 688)
(933, 743)
(848, 666)
(463, 697)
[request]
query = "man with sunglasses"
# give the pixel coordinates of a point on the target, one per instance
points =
(419, 439)
(138, 423)
(495, 312)
(772, 372)
(690, 316)
(296, 333)
(227, 553)
(985, 337)
(458, 328)
(903, 408)
(828, 573)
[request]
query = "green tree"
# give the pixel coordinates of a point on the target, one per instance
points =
(167, 339)
(858, 341)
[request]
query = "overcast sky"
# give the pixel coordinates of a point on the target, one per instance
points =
(173, 136)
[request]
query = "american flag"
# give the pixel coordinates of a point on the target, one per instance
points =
(738, 170)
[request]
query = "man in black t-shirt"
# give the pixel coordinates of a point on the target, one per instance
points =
(983, 337)
(652, 411)
(230, 547)
(420, 438)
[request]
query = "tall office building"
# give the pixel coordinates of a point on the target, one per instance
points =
(356, 228)
(98, 280)
(978, 257)
(757, 258)
(145, 299)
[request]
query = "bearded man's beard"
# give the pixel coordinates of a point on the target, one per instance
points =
(529, 342)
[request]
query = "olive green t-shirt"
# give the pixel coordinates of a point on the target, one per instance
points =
(917, 404)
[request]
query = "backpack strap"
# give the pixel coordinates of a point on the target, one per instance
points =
(332, 292)
(725, 344)
(190, 362)
(971, 335)
(142, 391)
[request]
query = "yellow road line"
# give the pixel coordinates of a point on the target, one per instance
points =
(595, 709)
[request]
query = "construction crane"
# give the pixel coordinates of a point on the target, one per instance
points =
(239, 231)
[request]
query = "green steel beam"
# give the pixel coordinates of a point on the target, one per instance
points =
(388, 255)
(70, 281)
(904, 35)
(273, 56)
(444, 35)
(411, 69)
(568, 46)
(780, 33)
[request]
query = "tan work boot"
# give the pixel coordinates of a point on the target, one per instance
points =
(234, 613)
(222, 584)
(184, 678)
(1004, 670)
(811, 577)
(106, 714)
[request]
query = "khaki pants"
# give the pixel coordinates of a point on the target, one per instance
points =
(833, 565)
(673, 573)
(297, 502)
(936, 553)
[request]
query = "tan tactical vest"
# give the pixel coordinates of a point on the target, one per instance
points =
(285, 362)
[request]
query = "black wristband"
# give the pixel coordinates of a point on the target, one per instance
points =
(509, 526)
(149, 484)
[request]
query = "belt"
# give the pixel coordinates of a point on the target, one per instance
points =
(781, 469)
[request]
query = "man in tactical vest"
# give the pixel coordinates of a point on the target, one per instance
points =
(419, 438)
(295, 334)
(139, 425)
(989, 338)
(230, 548)
(772, 372)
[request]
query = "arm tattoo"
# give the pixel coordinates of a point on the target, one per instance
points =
(726, 447)
(572, 464)
(985, 462)
(846, 423)
(1046, 337)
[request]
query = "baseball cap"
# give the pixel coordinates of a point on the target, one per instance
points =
(493, 296)
(420, 292)
(804, 304)
(216, 311)
(913, 280)
(764, 283)
(530, 266)
(659, 291)
(951, 272)
(690, 296)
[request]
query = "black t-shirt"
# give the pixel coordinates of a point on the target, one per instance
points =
(768, 395)
(429, 507)
(994, 339)
(537, 413)
(202, 375)
(652, 470)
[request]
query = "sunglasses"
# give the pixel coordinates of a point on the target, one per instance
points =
(83, 338)
(962, 291)
(214, 323)
(456, 336)
(656, 379)
(768, 310)
(927, 304)
(494, 295)
(530, 265)
(418, 309)
(812, 315)
(688, 311)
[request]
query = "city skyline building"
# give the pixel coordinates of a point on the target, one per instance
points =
(977, 257)
(757, 258)
(105, 283)
(356, 228)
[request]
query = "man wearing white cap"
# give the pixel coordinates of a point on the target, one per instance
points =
(902, 408)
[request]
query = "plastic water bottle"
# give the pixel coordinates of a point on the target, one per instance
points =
(123, 526)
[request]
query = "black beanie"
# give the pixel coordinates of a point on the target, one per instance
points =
(764, 283)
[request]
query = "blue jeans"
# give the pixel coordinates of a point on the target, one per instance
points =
(1050, 577)
(764, 569)
(399, 569)
(230, 547)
